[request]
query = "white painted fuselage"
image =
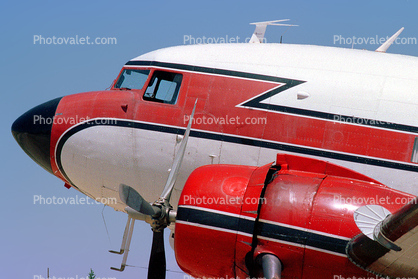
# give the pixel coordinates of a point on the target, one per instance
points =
(355, 108)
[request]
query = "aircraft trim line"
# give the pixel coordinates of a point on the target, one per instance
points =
(226, 222)
(255, 102)
(232, 139)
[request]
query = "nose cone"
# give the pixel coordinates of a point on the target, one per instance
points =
(32, 131)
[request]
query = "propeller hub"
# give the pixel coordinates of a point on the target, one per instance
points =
(162, 219)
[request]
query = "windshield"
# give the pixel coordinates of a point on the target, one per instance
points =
(132, 79)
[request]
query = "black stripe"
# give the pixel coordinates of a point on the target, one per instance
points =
(301, 237)
(272, 231)
(212, 71)
(232, 139)
(256, 102)
(207, 218)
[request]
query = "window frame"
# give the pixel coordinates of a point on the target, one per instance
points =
(151, 80)
(150, 71)
(414, 156)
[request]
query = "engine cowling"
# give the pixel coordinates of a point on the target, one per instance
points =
(300, 210)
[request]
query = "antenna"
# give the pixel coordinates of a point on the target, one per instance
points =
(260, 29)
(281, 36)
(389, 42)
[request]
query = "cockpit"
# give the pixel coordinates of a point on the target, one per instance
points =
(162, 86)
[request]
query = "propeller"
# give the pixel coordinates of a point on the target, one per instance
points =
(161, 211)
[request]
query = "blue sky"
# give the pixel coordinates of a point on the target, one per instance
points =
(71, 239)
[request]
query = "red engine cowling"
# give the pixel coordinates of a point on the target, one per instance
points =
(300, 210)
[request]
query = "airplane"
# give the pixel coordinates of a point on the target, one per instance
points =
(264, 160)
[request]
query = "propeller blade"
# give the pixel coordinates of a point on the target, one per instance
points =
(135, 201)
(157, 264)
(160, 211)
(177, 160)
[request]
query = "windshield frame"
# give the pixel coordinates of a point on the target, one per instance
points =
(121, 75)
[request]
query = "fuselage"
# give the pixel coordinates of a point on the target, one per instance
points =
(351, 107)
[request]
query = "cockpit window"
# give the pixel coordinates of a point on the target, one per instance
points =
(163, 87)
(132, 79)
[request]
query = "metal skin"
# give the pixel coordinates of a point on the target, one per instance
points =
(160, 211)
(353, 108)
(304, 218)
(100, 139)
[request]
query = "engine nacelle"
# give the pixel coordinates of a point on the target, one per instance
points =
(300, 210)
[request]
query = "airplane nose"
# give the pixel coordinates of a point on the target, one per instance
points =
(32, 131)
